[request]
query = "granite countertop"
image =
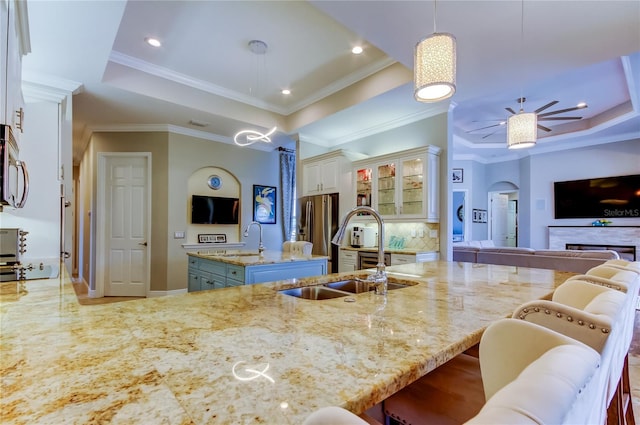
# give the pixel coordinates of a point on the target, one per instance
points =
(252, 258)
(407, 251)
(246, 354)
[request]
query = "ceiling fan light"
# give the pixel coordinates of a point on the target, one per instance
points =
(435, 68)
(522, 130)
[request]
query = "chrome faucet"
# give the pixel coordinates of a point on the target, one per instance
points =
(246, 233)
(380, 277)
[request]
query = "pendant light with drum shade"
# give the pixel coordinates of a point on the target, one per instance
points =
(434, 69)
(522, 128)
(248, 137)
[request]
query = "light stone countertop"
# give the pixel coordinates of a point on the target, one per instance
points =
(252, 258)
(406, 251)
(242, 355)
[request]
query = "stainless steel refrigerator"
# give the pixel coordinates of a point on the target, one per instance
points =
(318, 221)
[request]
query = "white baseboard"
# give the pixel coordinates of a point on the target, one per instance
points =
(41, 268)
(153, 294)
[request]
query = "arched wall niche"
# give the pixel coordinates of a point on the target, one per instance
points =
(503, 186)
(212, 181)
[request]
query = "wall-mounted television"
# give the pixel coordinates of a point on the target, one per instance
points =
(214, 210)
(604, 197)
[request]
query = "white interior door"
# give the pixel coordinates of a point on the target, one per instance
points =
(512, 223)
(125, 265)
(499, 221)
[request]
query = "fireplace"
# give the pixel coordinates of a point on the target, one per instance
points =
(626, 252)
(625, 240)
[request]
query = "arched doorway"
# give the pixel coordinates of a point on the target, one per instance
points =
(503, 214)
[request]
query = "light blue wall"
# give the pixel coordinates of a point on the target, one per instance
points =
(613, 159)
(534, 176)
(475, 182)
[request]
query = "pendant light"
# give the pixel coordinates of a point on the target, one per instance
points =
(248, 137)
(435, 66)
(522, 128)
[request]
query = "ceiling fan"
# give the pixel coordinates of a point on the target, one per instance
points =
(547, 116)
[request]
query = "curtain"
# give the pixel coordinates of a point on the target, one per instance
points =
(287, 185)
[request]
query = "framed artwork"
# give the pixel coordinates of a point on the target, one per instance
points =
(457, 175)
(264, 204)
(479, 216)
(483, 216)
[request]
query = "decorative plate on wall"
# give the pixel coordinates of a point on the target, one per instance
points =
(214, 182)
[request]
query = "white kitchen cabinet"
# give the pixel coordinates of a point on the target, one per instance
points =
(321, 176)
(402, 259)
(15, 36)
(347, 261)
(420, 257)
(404, 185)
(328, 173)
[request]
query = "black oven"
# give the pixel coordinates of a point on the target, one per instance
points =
(14, 179)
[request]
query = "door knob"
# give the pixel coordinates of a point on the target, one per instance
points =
(143, 243)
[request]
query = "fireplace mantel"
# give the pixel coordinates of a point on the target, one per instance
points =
(602, 236)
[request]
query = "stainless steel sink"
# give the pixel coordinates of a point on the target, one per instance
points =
(352, 286)
(359, 286)
(396, 285)
(318, 292)
(342, 288)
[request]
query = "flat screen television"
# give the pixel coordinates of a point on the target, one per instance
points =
(605, 197)
(214, 210)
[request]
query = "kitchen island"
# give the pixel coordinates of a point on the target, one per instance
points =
(215, 269)
(245, 354)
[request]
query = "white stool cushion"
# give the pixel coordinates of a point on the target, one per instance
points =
(609, 303)
(333, 415)
(554, 389)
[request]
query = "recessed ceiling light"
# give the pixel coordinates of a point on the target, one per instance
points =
(356, 50)
(286, 91)
(153, 42)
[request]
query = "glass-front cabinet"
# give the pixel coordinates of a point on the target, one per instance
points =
(387, 189)
(364, 185)
(404, 185)
(412, 196)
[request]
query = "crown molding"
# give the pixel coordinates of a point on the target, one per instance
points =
(177, 77)
(186, 80)
(386, 126)
(170, 128)
(342, 83)
(22, 27)
(40, 87)
(632, 84)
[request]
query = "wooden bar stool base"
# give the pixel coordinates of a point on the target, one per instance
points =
(451, 394)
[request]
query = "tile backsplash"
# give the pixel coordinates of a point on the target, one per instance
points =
(416, 235)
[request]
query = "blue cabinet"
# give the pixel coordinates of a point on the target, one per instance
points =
(280, 271)
(207, 273)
